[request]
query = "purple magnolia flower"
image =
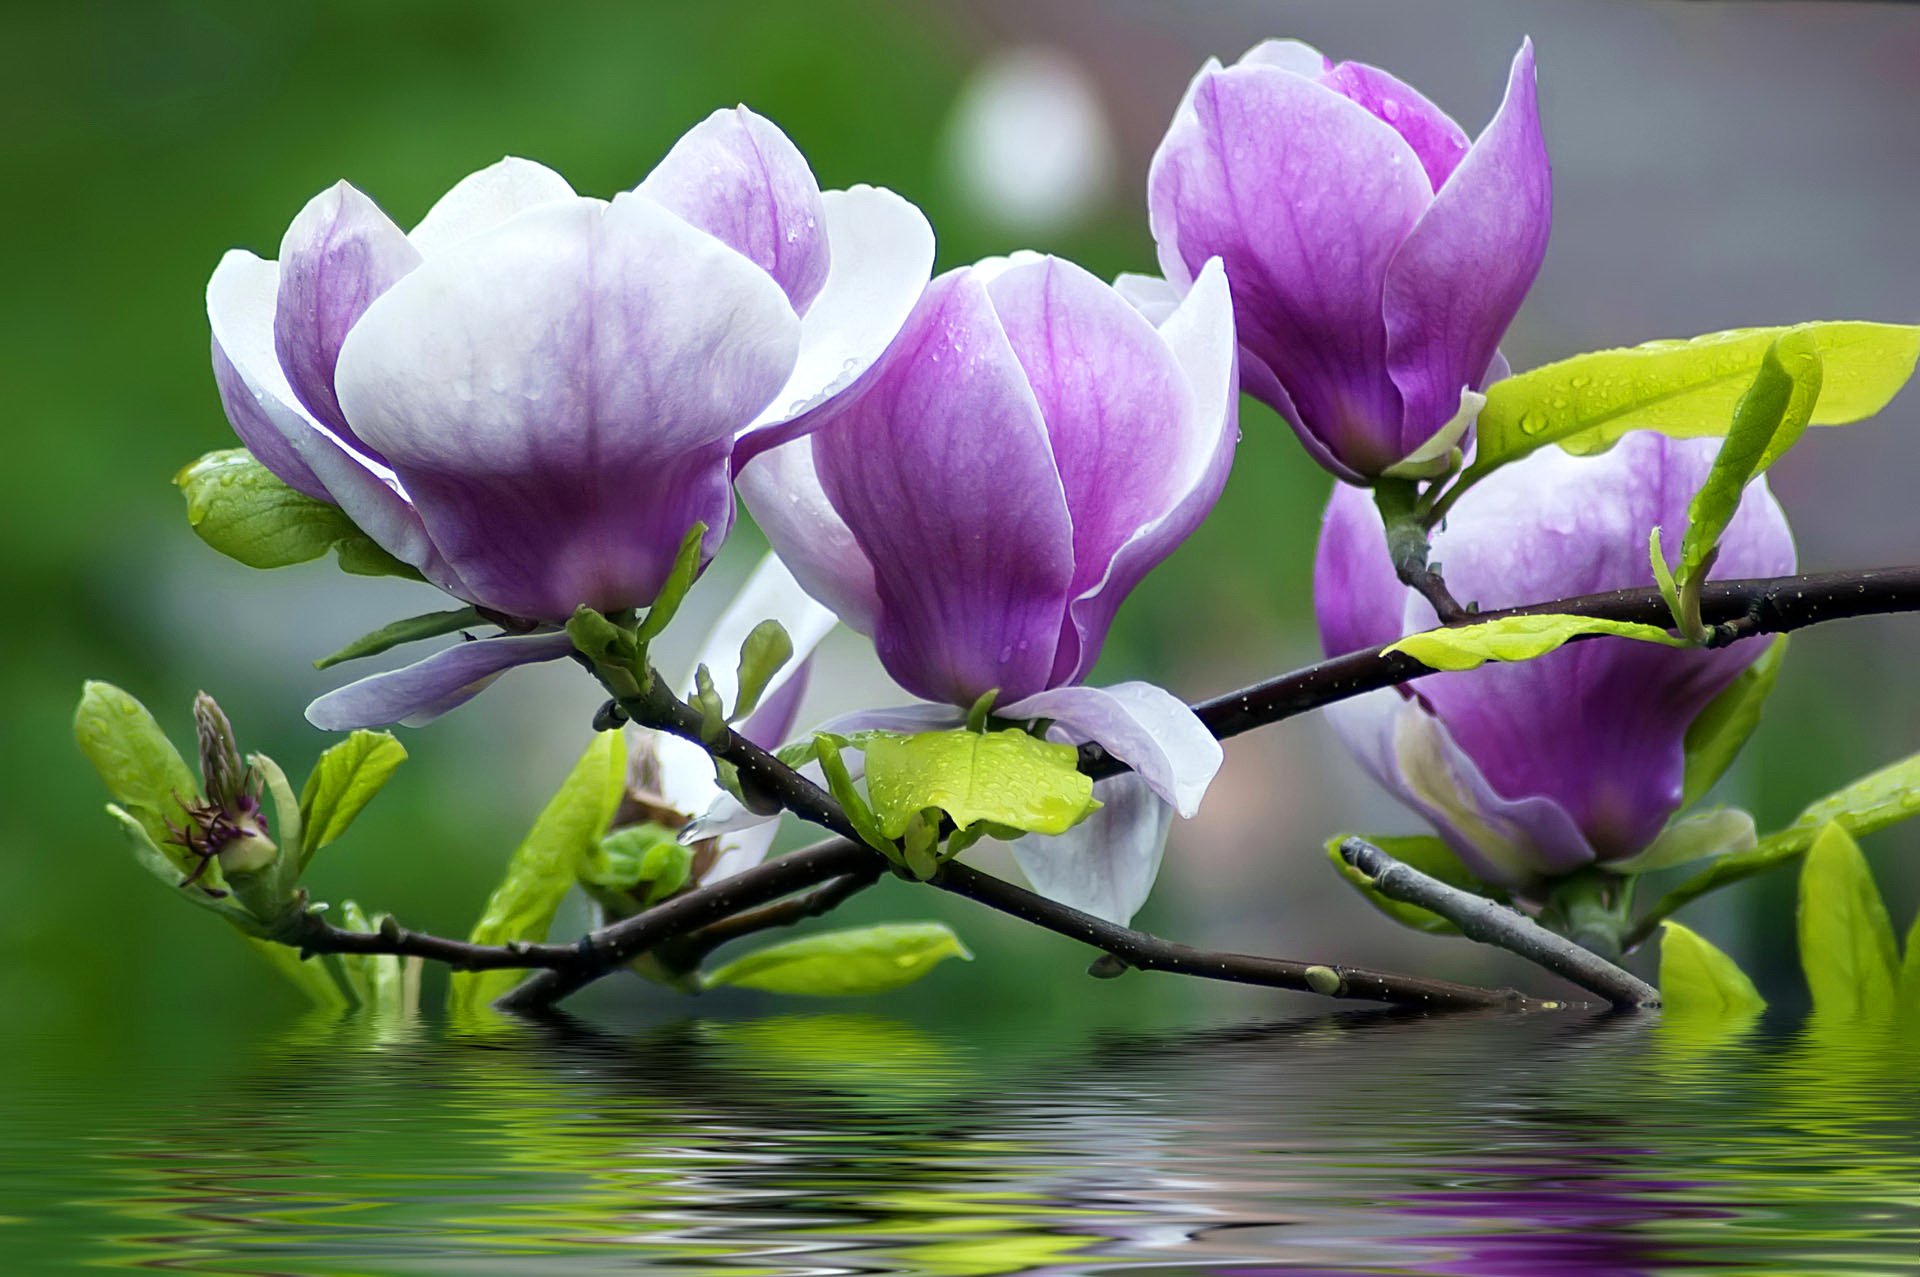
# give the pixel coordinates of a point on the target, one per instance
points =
(1533, 770)
(1028, 448)
(532, 395)
(1375, 256)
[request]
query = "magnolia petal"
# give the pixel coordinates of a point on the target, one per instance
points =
(253, 424)
(419, 693)
(1151, 295)
(1357, 599)
(1435, 138)
(1106, 864)
(484, 199)
(560, 396)
(782, 491)
(1458, 280)
(736, 176)
(1143, 726)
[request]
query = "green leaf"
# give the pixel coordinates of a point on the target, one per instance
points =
(602, 641)
(310, 975)
(1722, 831)
(1847, 949)
(289, 830)
(240, 508)
(407, 630)
(713, 714)
(645, 860)
(686, 566)
(765, 650)
(1681, 388)
(1516, 638)
(1430, 856)
(344, 780)
(1698, 982)
(141, 768)
(564, 838)
(826, 748)
(1663, 577)
(1770, 416)
(1909, 1011)
(1717, 733)
(1007, 777)
(851, 963)
(149, 856)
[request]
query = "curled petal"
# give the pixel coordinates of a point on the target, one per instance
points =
(560, 395)
(1458, 280)
(253, 422)
(1431, 132)
(483, 200)
(1106, 864)
(421, 692)
(1143, 726)
(339, 254)
(782, 489)
(737, 177)
(942, 470)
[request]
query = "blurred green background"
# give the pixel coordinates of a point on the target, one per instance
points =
(1715, 165)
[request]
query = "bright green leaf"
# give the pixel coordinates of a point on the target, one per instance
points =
(686, 566)
(1847, 949)
(851, 963)
(1718, 732)
(1681, 388)
(1698, 982)
(345, 779)
(564, 838)
(1007, 777)
(407, 630)
(1722, 831)
(826, 749)
(765, 650)
(141, 768)
(240, 508)
(1430, 856)
(1770, 416)
(312, 976)
(1663, 577)
(1909, 1012)
(1516, 638)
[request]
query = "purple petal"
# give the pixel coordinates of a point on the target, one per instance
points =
(560, 396)
(484, 199)
(1431, 132)
(339, 254)
(250, 421)
(942, 470)
(1143, 726)
(1106, 864)
(421, 692)
(1305, 196)
(1122, 420)
(783, 492)
(736, 176)
(1357, 599)
(1459, 279)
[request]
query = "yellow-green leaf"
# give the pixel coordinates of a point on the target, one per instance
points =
(850, 963)
(345, 779)
(141, 768)
(1516, 638)
(564, 838)
(1430, 856)
(1718, 732)
(1682, 388)
(1910, 980)
(242, 509)
(1847, 949)
(1698, 982)
(1007, 777)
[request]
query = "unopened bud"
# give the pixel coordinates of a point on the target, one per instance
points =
(222, 772)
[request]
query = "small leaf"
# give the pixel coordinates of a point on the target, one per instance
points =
(826, 749)
(1723, 831)
(345, 779)
(686, 566)
(407, 630)
(1700, 983)
(143, 771)
(1681, 388)
(1770, 416)
(763, 653)
(151, 858)
(563, 839)
(240, 508)
(1430, 856)
(1718, 732)
(312, 976)
(644, 860)
(1847, 949)
(1516, 638)
(1663, 577)
(1007, 777)
(851, 963)
(601, 640)
(289, 829)
(706, 699)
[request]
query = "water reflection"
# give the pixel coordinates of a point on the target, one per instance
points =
(856, 1144)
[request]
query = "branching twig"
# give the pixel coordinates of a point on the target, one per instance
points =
(686, 953)
(1491, 922)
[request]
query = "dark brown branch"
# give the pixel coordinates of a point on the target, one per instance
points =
(686, 953)
(1492, 923)
(1150, 953)
(312, 934)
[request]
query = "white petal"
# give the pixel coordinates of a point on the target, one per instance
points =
(782, 491)
(1151, 295)
(1105, 865)
(481, 201)
(1144, 726)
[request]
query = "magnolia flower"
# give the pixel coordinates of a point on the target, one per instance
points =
(532, 396)
(1533, 770)
(1027, 449)
(1375, 256)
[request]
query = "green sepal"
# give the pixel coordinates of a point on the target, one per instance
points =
(851, 963)
(686, 566)
(407, 630)
(981, 710)
(1006, 777)
(602, 641)
(1721, 831)
(242, 509)
(1847, 948)
(763, 653)
(1430, 856)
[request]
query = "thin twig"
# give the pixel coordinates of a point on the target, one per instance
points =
(313, 935)
(687, 952)
(1491, 922)
(1150, 953)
